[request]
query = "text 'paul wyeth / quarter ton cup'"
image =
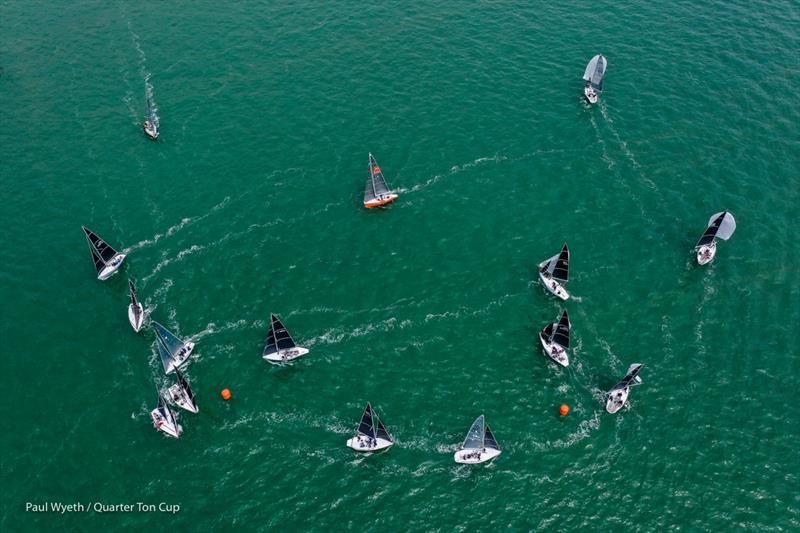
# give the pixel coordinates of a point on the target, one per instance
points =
(101, 507)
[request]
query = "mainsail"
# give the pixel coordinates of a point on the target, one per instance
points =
(595, 71)
(475, 435)
(381, 431)
(166, 412)
(633, 373)
(561, 334)
(185, 386)
(720, 225)
(560, 267)
(278, 337)
(134, 300)
(102, 252)
(168, 344)
(367, 425)
(489, 440)
(376, 183)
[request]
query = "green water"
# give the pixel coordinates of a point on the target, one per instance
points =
(249, 203)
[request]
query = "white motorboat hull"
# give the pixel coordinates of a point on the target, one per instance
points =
(178, 397)
(173, 430)
(285, 356)
(591, 95)
(553, 286)
(361, 445)
(182, 358)
(473, 457)
(111, 267)
(617, 399)
(150, 132)
(136, 320)
(554, 351)
(706, 253)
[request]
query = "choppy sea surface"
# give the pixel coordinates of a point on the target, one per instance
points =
(249, 203)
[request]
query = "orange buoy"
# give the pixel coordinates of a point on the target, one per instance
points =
(564, 409)
(226, 394)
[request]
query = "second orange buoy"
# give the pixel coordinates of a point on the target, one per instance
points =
(226, 394)
(564, 409)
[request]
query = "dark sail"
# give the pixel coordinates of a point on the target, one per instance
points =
(281, 336)
(382, 433)
(169, 341)
(489, 440)
(185, 386)
(366, 426)
(376, 183)
(712, 230)
(98, 262)
(271, 346)
(134, 301)
(548, 332)
(629, 377)
(561, 335)
(561, 270)
(98, 245)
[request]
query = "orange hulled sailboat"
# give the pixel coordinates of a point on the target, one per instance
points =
(377, 191)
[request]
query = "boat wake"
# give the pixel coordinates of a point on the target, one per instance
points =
(174, 259)
(453, 170)
(585, 429)
(176, 228)
(333, 336)
(623, 145)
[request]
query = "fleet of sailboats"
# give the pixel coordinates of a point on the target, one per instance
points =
(280, 347)
(377, 191)
(554, 272)
(135, 309)
(479, 446)
(106, 259)
(720, 226)
(618, 394)
(593, 76)
(555, 339)
(174, 352)
(371, 434)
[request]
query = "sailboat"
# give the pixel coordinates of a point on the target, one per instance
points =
(174, 351)
(377, 191)
(151, 123)
(135, 309)
(593, 76)
(555, 270)
(479, 446)
(164, 419)
(618, 394)
(720, 226)
(280, 347)
(371, 435)
(106, 259)
(182, 395)
(555, 339)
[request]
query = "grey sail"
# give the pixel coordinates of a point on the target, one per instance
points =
(367, 425)
(549, 265)
(489, 440)
(561, 334)
(561, 266)
(102, 252)
(168, 344)
(278, 338)
(376, 183)
(164, 409)
(164, 354)
(381, 430)
(547, 332)
(720, 225)
(475, 435)
(633, 373)
(596, 71)
(185, 386)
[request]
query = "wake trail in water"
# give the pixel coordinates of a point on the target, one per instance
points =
(623, 145)
(453, 170)
(143, 72)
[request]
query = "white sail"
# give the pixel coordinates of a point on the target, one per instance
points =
(475, 435)
(726, 227)
(596, 71)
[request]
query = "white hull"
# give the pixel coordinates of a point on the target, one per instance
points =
(473, 457)
(150, 131)
(111, 267)
(285, 356)
(178, 397)
(553, 286)
(554, 351)
(161, 424)
(616, 399)
(360, 444)
(181, 357)
(136, 321)
(706, 253)
(590, 94)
